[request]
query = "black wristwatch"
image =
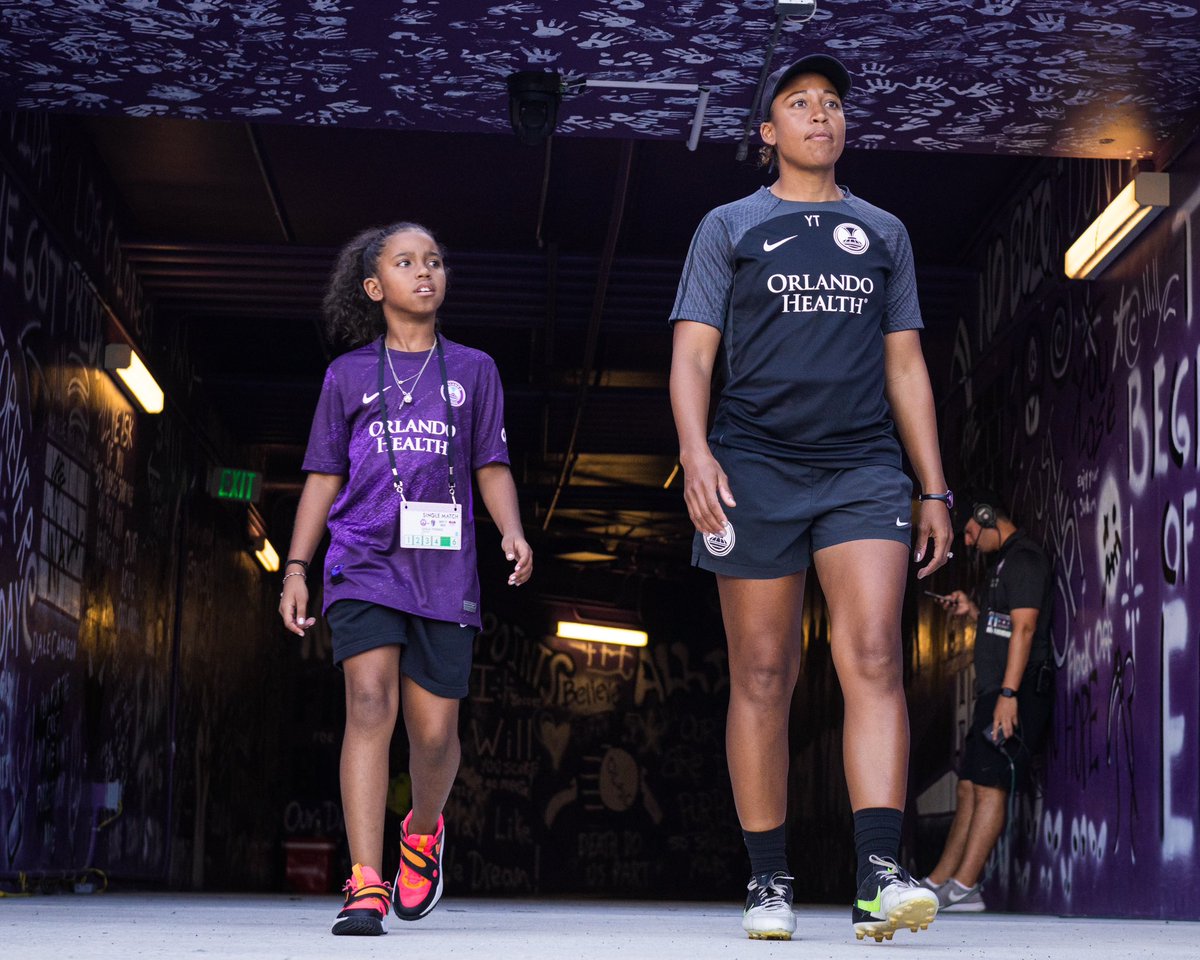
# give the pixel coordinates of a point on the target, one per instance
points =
(1008, 692)
(947, 498)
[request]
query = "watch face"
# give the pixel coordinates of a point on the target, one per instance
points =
(950, 499)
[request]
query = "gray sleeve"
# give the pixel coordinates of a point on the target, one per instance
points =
(902, 311)
(707, 275)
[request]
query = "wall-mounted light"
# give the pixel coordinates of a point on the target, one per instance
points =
(597, 633)
(1131, 211)
(265, 554)
(121, 359)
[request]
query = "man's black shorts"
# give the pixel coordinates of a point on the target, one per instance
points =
(436, 654)
(1005, 767)
(787, 511)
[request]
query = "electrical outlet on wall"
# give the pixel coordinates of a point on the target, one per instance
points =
(106, 796)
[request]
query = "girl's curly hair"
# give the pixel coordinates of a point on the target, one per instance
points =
(351, 317)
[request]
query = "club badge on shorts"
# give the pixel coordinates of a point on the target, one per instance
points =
(719, 544)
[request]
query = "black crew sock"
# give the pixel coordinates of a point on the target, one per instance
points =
(876, 831)
(767, 849)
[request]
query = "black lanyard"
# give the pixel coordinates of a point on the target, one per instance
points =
(396, 481)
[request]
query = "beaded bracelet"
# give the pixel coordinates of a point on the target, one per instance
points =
(294, 573)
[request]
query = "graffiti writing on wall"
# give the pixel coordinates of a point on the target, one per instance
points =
(1101, 462)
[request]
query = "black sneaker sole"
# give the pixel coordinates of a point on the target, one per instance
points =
(358, 927)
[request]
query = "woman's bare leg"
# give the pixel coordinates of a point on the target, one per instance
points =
(863, 582)
(763, 630)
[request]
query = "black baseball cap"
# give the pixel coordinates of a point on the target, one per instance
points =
(826, 66)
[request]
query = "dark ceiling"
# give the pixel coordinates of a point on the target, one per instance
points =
(248, 141)
(1036, 77)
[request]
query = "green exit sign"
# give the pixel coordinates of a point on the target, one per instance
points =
(228, 483)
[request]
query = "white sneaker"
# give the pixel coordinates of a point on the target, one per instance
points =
(890, 899)
(955, 897)
(930, 885)
(768, 914)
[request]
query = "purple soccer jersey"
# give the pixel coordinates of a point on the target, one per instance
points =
(350, 437)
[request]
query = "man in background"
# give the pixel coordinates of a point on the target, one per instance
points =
(1014, 691)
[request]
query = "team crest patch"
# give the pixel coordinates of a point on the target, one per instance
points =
(851, 238)
(719, 544)
(458, 396)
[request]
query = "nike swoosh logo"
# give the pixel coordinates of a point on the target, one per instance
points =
(368, 397)
(768, 246)
(870, 906)
(901, 523)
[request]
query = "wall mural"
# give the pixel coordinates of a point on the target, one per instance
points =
(593, 768)
(1032, 77)
(1081, 403)
(106, 685)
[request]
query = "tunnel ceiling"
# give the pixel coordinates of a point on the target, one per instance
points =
(247, 141)
(1098, 79)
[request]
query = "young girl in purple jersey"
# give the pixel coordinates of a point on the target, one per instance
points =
(404, 419)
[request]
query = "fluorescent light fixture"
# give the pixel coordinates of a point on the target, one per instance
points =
(122, 360)
(575, 630)
(586, 556)
(265, 554)
(1131, 211)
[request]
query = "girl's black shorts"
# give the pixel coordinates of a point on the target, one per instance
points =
(436, 654)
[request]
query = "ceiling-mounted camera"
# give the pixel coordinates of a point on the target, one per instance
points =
(533, 98)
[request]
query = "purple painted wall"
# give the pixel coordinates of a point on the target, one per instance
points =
(121, 676)
(1080, 403)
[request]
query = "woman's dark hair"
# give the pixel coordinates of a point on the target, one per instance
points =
(351, 317)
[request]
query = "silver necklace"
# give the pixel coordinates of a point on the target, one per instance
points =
(416, 378)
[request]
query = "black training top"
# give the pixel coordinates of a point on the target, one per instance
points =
(1020, 576)
(803, 294)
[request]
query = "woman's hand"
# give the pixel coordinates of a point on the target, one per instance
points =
(515, 548)
(705, 488)
(933, 523)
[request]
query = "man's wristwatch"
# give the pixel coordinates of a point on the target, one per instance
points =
(1008, 692)
(947, 498)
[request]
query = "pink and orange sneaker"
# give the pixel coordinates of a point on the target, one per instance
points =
(366, 909)
(418, 885)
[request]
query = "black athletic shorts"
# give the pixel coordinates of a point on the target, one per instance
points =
(436, 654)
(786, 512)
(1005, 767)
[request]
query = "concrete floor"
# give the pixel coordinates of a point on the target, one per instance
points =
(128, 926)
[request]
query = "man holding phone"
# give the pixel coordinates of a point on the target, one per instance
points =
(1014, 692)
